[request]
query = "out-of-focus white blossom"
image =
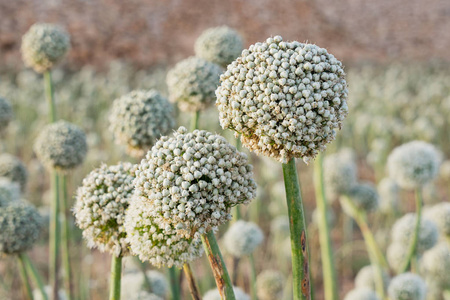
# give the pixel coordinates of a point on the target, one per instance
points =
(242, 238)
(361, 294)
(407, 286)
(270, 285)
(215, 295)
(440, 215)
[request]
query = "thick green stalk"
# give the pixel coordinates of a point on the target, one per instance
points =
(194, 120)
(326, 249)
(412, 250)
(253, 277)
(218, 266)
(116, 277)
(54, 236)
(34, 275)
(49, 94)
(299, 245)
(24, 276)
(174, 283)
(65, 238)
(193, 288)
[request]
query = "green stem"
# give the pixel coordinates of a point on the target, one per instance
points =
(253, 276)
(328, 267)
(297, 224)
(49, 94)
(412, 250)
(65, 238)
(116, 277)
(24, 276)
(193, 288)
(54, 236)
(34, 275)
(174, 283)
(218, 266)
(194, 120)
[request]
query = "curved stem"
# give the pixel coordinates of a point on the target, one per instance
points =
(174, 283)
(218, 266)
(328, 267)
(65, 238)
(49, 94)
(54, 236)
(253, 277)
(297, 224)
(412, 250)
(24, 276)
(34, 275)
(194, 120)
(116, 277)
(193, 288)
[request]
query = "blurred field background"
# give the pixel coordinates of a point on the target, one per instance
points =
(396, 57)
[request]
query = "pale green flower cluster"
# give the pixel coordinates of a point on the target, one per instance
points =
(366, 278)
(340, 174)
(220, 45)
(61, 146)
(139, 118)
(242, 238)
(12, 168)
(9, 191)
(100, 207)
(435, 265)
(192, 83)
(270, 285)
(364, 196)
(285, 98)
(407, 286)
(440, 215)
(44, 45)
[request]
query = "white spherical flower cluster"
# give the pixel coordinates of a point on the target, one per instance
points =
(389, 191)
(9, 191)
(193, 179)
(134, 283)
(242, 238)
(6, 113)
(364, 196)
(340, 173)
(366, 278)
(285, 98)
(139, 118)
(44, 45)
(435, 265)
(61, 146)
(215, 295)
(361, 294)
(440, 215)
(20, 225)
(407, 286)
(270, 285)
(403, 231)
(413, 164)
(192, 83)
(220, 45)
(100, 207)
(396, 255)
(161, 246)
(12, 168)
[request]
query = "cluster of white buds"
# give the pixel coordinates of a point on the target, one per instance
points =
(12, 168)
(396, 254)
(6, 113)
(270, 285)
(407, 286)
(242, 238)
(366, 278)
(192, 83)
(9, 191)
(440, 215)
(134, 283)
(340, 174)
(220, 45)
(364, 196)
(159, 243)
(61, 146)
(414, 164)
(215, 295)
(139, 118)
(435, 265)
(20, 225)
(44, 45)
(285, 98)
(192, 180)
(361, 294)
(100, 207)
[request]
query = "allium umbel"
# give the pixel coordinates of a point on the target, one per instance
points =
(407, 286)
(192, 180)
(270, 285)
(285, 98)
(139, 118)
(44, 45)
(242, 238)
(100, 207)
(12, 168)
